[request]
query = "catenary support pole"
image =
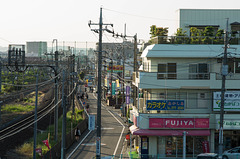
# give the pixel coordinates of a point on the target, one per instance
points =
(56, 93)
(73, 94)
(35, 120)
(64, 118)
(0, 77)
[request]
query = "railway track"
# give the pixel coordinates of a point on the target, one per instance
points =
(18, 131)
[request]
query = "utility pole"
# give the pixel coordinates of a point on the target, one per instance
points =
(224, 74)
(99, 88)
(98, 138)
(123, 73)
(111, 66)
(135, 69)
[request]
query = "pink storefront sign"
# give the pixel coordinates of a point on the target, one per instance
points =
(179, 123)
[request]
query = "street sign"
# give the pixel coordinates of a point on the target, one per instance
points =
(98, 145)
(91, 122)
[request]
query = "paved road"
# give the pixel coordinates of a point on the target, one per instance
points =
(112, 135)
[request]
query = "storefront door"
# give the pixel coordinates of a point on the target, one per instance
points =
(174, 146)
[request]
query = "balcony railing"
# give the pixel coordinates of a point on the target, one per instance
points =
(230, 76)
(192, 40)
(184, 76)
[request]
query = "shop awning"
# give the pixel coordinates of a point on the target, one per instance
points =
(166, 132)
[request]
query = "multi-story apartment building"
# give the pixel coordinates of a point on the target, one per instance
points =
(201, 18)
(180, 87)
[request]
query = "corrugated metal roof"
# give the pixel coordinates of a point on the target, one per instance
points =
(190, 51)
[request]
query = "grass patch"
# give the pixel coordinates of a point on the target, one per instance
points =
(27, 148)
(15, 108)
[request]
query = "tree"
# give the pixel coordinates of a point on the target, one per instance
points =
(195, 35)
(181, 37)
(208, 35)
(159, 32)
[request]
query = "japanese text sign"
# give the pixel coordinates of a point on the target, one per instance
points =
(165, 105)
(179, 123)
(231, 103)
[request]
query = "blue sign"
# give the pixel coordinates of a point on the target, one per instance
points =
(91, 122)
(165, 104)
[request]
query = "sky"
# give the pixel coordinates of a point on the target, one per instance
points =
(67, 20)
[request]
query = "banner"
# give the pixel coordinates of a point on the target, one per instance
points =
(127, 99)
(39, 151)
(113, 88)
(91, 122)
(205, 145)
(127, 90)
(117, 83)
(115, 68)
(46, 143)
(105, 82)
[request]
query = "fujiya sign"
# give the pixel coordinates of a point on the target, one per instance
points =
(178, 123)
(232, 101)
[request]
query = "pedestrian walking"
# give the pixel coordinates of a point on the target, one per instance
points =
(87, 108)
(77, 134)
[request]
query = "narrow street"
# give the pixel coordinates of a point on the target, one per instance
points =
(112, 135)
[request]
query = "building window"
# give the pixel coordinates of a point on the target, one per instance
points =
(173, 146)
(198, 71)
(162, 96)
(237, 65)
(167, 71)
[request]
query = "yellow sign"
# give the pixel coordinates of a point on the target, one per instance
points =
(117, 83)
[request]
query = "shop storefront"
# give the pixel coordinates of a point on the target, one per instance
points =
(164, 138)
(231, 133)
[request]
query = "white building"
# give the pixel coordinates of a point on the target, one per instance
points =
(201, 18)
(181, 87)
(36, 49)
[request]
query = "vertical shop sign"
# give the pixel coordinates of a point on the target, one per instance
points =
(127, 94)
(205, 145)
(113, 88)
(127, 90)
(144, 147)
(105, 82)
(127, 99)
(91, 122)
(117, 83)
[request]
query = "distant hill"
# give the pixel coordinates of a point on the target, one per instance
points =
(3, 49)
